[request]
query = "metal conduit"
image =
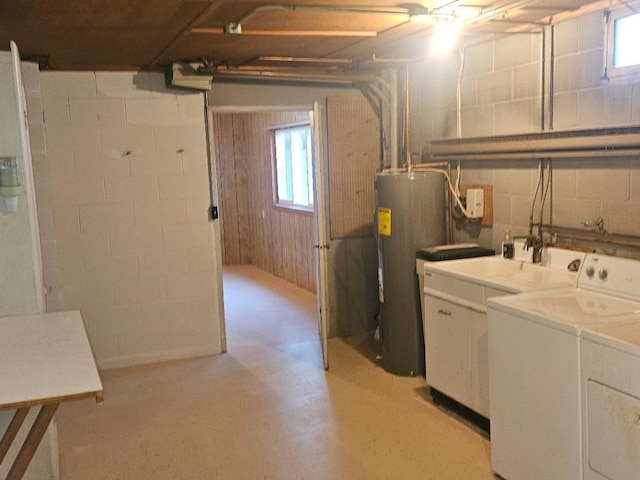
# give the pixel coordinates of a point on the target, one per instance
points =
(604, 142)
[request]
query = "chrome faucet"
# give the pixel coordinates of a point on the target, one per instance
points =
(531, 241)
(537, 245)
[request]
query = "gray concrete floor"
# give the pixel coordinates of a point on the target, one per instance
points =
(267, 409)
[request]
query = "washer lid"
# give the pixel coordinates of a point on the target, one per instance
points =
(623, 336)
(569, 306)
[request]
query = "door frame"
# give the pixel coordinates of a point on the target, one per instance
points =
(317, 115)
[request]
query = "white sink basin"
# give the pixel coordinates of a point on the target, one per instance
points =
(512, 275)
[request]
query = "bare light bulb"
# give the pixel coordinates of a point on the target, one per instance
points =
(444, 38)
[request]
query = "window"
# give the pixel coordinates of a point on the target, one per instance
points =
(623, 37)
(293, 171)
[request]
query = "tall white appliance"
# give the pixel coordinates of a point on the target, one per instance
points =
(535, 378)
(410, 214)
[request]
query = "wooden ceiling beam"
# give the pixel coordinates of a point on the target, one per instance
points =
(204, 13)
(289, 33)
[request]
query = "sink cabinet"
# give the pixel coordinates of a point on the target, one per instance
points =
(447, 343)
(456, 348)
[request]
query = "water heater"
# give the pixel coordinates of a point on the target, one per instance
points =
(410, 214)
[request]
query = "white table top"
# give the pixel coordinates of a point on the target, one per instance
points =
(46, 358)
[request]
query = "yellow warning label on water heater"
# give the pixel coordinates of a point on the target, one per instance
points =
(384, 221)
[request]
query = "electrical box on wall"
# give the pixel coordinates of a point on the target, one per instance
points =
(477, 194)
(475, 203)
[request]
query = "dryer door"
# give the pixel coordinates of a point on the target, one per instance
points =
(613, 433)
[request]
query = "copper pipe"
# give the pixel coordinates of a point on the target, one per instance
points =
(407, 121)
(607, 238)
(598, 241)
(594, 231)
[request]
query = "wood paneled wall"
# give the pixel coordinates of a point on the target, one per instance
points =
(254, 231)
(277, 240)
(353, 134)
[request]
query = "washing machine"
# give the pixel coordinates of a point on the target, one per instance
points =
(535, 367)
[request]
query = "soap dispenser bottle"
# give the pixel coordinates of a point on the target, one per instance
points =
(507, 245)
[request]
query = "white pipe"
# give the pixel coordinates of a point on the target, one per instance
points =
(393, 129)
(452, 189)
(459, 96)
(407, 120)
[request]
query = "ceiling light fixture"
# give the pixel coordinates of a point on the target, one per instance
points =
(444, 38)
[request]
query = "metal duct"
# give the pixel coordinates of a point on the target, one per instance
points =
(602, 142)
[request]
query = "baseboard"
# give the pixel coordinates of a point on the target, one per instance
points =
(158, 357)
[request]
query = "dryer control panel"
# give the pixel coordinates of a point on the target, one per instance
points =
(614, 275)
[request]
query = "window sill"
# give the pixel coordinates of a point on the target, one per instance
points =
(293, 208)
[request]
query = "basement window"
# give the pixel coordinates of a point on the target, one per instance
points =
(292, 166)
(623, 38)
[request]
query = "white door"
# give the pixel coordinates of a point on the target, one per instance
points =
(27, 175)
(321, 230)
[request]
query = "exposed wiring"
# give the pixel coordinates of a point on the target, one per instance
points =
(456, 197)
(535, 197)
(546, 191)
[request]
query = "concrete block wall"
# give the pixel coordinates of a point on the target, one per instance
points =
(500, 90)
(501, 93)
(581, 96)
(128, 191)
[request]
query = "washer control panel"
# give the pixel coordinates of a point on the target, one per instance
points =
(615, 275)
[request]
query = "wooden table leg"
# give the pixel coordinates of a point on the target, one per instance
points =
(32, 441)
(12, 431)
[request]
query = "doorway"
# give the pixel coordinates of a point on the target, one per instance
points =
(255, 231)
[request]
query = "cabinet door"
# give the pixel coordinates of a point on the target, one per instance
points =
(479, 353)
(447, 348)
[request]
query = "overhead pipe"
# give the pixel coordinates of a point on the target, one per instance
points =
(317, 8)
(265, 74)
(603, 239)
(500, 11)
(533, 155)
(603, 142)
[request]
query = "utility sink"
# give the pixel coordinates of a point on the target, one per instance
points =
(514, 275)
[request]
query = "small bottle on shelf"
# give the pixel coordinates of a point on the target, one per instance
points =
(507, 245)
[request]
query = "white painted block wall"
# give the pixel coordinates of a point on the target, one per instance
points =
(501, 94)
(129, 193)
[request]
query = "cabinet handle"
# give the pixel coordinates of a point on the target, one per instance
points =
(444, 312)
